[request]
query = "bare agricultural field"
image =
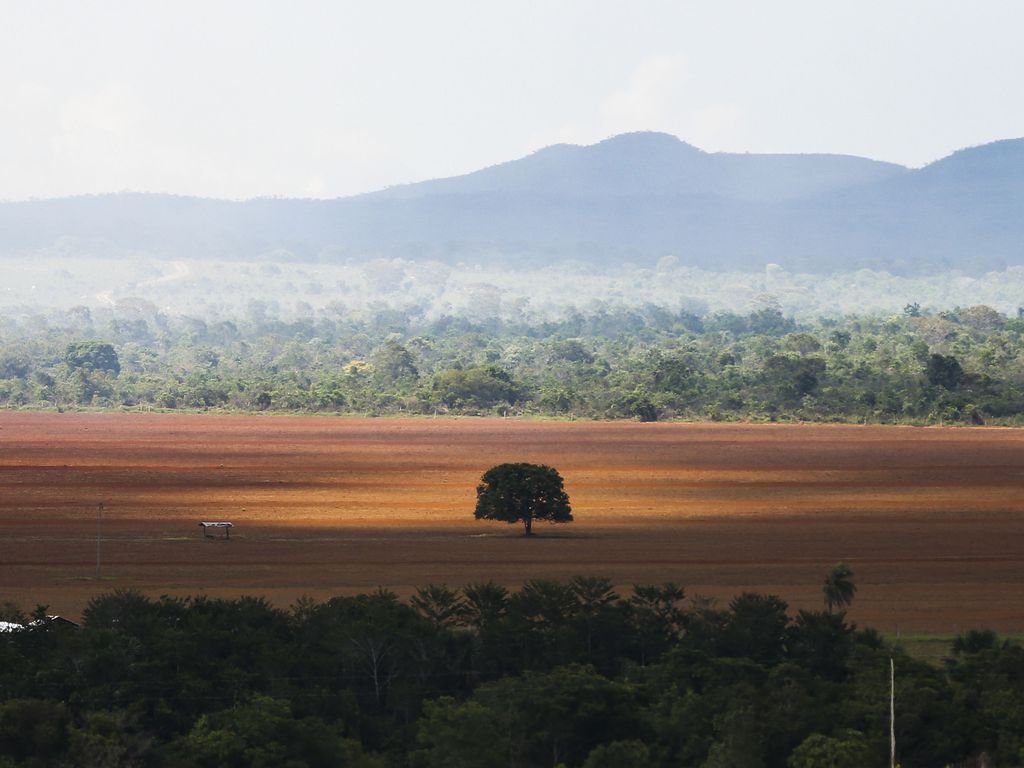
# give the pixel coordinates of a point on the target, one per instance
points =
(930, 518)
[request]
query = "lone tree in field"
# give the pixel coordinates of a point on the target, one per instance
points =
(839, 588)
(526, 492)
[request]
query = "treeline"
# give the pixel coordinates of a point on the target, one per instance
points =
(554, 674)
(648, 363)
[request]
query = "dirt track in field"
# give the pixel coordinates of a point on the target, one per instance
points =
(932, 520)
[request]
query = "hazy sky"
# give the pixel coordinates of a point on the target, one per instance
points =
(242, 99)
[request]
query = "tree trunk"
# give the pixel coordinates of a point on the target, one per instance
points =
(529, 526)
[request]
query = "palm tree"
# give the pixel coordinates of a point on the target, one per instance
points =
(839, 588)
(438, 604)
(485, 603)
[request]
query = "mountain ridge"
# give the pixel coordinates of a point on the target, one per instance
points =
(642, 149)
(632, 197)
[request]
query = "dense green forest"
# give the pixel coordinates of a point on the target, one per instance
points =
(553, 674)
(647, 363)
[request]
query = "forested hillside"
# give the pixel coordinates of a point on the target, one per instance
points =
(961, 366)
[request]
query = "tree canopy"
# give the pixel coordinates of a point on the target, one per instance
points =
(554, 672)
(643, 363)
(98, 355)
(522, 492)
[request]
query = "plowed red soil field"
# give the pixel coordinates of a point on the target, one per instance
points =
(930, 519)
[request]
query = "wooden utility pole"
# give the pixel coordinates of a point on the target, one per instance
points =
(99, 522)
(892, 714)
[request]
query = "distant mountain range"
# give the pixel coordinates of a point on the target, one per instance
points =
(632, 198)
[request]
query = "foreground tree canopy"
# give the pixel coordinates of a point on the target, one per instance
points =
(554, 673)
(523, 493)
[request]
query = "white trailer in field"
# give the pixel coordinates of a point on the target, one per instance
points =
(206, 526)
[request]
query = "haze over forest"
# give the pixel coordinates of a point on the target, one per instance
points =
(638, 218)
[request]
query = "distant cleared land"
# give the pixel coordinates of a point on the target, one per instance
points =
(930, 518)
